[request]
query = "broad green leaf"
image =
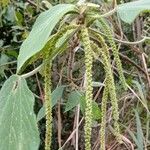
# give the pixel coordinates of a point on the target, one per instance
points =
(56, 95)
(129, 11)
(96, 112)
(41, 31)
(73, 100)
(18, 128)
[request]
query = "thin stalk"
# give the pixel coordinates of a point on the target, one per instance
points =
(31, 73)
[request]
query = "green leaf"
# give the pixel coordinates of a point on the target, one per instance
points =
(129, 11)
(56, 95)
(12, 53)
(96, 112)
(140, 136)
(141, 94)
(19, 18)
(73, 100)
(141, 90)
(18, 128)
(132, 135)
(41, 31)
(3, 60)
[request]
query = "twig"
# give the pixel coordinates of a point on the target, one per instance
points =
(39, 86)
(132, 62)
(73, 45)
(77, 123)
(123, 42)
(8, 63)
(72, 134)
(59, 125)
(59, 106)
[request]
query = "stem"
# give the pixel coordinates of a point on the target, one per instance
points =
(47, 80)
(8, 63)
(29, 74)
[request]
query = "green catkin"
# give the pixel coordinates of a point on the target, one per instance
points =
(115, 51)
(98, 51)
(49, 50)
(110, 80)
(103, 122)
(53, 42)
(105, 95)
(47, 89)
(63, 31)
(88, 64)
(108, 89)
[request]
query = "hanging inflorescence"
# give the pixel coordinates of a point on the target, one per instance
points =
(101, 48)
(115, 51)
(98, 46)
(88, 75)
(48, 111)
(110, 87)
(49, 50)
